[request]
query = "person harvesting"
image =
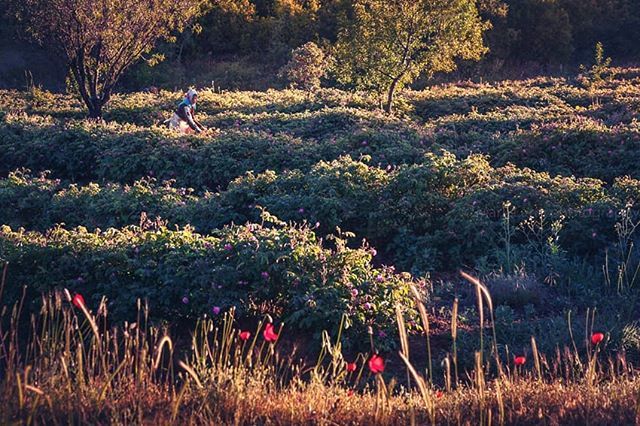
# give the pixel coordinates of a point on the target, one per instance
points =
(183, 118)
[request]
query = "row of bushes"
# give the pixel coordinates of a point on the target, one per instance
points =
(81, 151)
(545, 124)
(532, 100)
(257, 268)
(438, 214)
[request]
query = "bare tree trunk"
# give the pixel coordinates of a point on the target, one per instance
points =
(392, 88)
(88, 88)
(95, 110)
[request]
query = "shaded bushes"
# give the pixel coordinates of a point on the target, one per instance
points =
(258, 268)
(81, 151)
(439, 214)
(548, 124)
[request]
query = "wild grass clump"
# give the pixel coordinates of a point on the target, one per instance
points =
(65, 364)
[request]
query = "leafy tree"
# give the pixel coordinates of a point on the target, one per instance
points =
(543, 30)
(294, 22)
(616, 23)
(307, 66)
(331, 17)
(229, 27)
(390, 42)
(100, 39)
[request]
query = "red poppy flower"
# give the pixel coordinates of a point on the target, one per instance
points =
(269, 334)
(376, 364)
(78, 301)
(350, 392)
(597, 338)
(351, 367)
(244, 335)
(519, 360)
(439, 394)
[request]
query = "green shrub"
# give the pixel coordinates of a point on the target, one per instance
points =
(439, 214)
(307, 66)
(342, 193)
(81, 151)
(582, 147)
(257, 268)
(40, 203)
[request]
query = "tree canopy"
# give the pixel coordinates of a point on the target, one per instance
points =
(100, 39)
(390, 42)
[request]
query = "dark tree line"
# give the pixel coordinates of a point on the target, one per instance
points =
(398, 40)
(541, 31)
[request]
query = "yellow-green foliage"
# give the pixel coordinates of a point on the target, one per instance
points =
(389, 44)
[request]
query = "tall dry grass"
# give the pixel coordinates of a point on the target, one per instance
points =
(66, 365)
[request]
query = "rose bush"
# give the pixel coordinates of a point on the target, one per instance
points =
(261, 268)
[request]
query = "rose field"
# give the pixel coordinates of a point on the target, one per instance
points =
(471, 259)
